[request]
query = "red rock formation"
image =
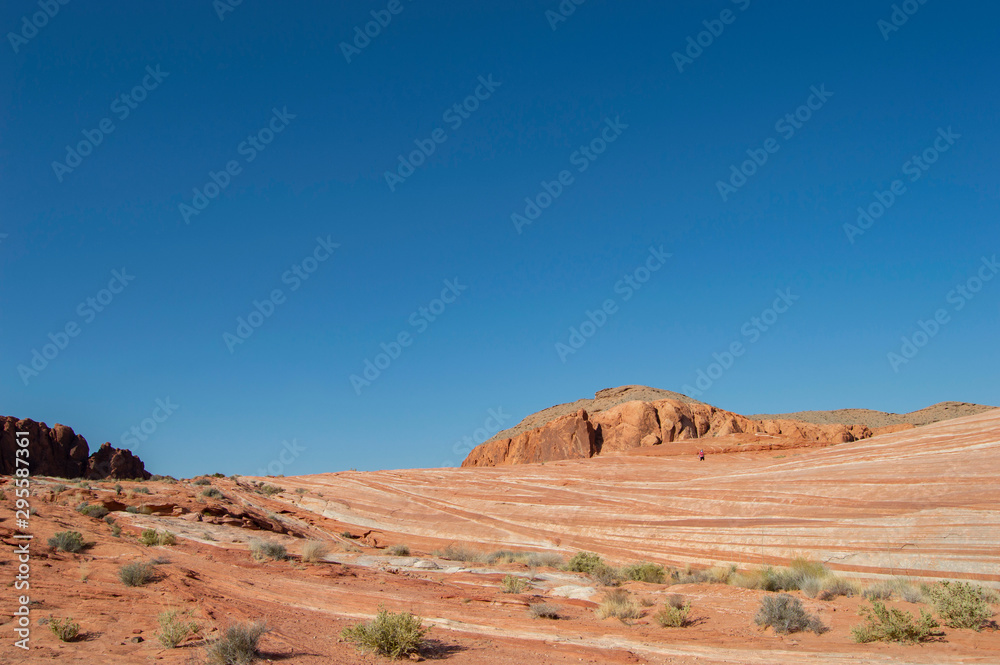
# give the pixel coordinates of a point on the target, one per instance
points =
(59, 451)
(639, 424)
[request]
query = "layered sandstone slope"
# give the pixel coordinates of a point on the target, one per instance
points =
(921, 501)
(59, 451)
(634, 424)
(870, 418)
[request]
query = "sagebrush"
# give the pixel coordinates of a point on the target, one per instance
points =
(388, 634)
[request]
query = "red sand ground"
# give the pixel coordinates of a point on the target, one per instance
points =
(918, 502)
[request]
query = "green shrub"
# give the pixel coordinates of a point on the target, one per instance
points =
(388, 634)
(266, 549)
(238, 644)
(399, 550)
(960, 604)
(131, 509)
(67, 541)
(644, 572)
(878, 591)
(834, 586)
(58, 488)
(513, 584)
(620, 605)
(97, 512)
(202, 481)
(213, 493)
(314, 550)
(141, 490)
(116, 531)
(271, 490)
(786, 615)
(544, 611)
(174, 627)
(65, 629)
(606, 575)
(300, 490)
(672, 616)
(151, 537)
(583, 562)
(118, 489)
(136, 573)
(886, 624)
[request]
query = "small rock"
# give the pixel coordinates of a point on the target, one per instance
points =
(136, 640)
(423, 563)
(137, 631)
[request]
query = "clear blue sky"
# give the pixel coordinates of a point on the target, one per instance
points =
(658, 142)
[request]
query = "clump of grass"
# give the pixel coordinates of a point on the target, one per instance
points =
(141, 490)
(213, 493)
(95, 511)
(584, 562)
(300, 490)
(619, 604)
(118, 489)
(458, 552)
(544, 611)
(65, 629)
(399, 550)
(513, 584)
(314, 550)
(67, 541)
(136, 573)
(786, 615)
(961, 604)
(174, 627)
(59, 488)
(606, 575)
(644, 571)
(151, 537)
(887, 624)
(116, 531)
(346, 534)
(266, 549)
(202, 481)
(388, 634)
(238, 644)
(271, 490)
(675, 613)
(131, 509)
(834, 586)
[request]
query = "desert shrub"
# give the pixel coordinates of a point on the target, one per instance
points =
(300, 490)
(270, 490)
(212, 493)
(65, 629)
(671, 616)
(266, 549)
(834, 586)
(513, 584)
(145, 510)
(346, 534)
(238, 644)
(314, 550)
(202, 481)
(644, 572)
(151, 537)
(887, 624)
(786, 615)
(583, 562)
(118, 489)
(543, 611)
(141, 490)
(67, 541)
(56, 489)
(399, 550)
(541, 559)
(606, 575)
(97, 512)
(136, 573)
(388, 634)
(174, 627)
(456, 552)
(116, 531)
(878, 591)
(960, 604)
(906, 590)
(620, 605)
(532, 559)
(131, 509)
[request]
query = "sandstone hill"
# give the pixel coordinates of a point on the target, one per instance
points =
(59, 451)
(619, 419)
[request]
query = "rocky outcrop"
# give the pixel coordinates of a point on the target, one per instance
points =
(639, 424)
(61, 452)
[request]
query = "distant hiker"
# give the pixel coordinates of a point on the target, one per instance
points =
(701, 455)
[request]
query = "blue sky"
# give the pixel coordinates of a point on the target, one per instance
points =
(611, 122)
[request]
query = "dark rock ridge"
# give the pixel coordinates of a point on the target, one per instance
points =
(61, 452)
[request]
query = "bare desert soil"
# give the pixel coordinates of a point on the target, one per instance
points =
(920, 503)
